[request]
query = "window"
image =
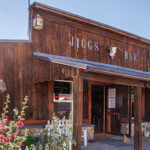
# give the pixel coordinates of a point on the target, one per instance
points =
(63, 98)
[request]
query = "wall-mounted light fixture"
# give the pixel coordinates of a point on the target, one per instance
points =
(38, 22)
(2, 86)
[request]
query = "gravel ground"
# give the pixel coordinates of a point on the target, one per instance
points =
(115, 143)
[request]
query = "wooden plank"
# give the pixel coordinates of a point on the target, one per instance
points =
(89, 101)
(108, 120)
(28, 122)
(57, 34)
(143, 103)
(111, 79)
(129, 111)
(77, 107)
(104, 111)
(85, 21)
(137, 120)
(50, 99)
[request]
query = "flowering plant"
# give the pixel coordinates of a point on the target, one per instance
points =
(59, 133)
(12, 134)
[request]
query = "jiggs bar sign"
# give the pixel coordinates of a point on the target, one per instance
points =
(94, 45)
(82, 43)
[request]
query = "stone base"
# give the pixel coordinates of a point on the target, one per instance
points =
(90, 131)
(124, 129)
(38, 131)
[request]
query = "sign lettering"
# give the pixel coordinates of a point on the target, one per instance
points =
(94, 45)
(82, 43)
(130, 56)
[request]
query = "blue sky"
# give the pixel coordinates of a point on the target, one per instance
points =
(129, 15)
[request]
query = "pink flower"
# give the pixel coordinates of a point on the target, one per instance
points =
(2, 141)
(6, 117)
(19, 131)
(21, 144)
(2, 124)
(7, 139)
(1, 132)
(12, 136)
(20, 124)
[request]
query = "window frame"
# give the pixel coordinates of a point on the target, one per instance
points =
(65, 101)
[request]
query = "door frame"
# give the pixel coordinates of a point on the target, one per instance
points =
(104, 101)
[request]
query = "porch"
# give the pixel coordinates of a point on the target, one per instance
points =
(114, 79)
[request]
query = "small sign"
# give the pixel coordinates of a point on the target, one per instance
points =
(111, 98)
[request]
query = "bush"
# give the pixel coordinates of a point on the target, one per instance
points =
(30, 141)
(12, 134)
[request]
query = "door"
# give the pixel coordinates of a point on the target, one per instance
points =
(118, 107)
(97, 117)
(115, 121)
(113, 116)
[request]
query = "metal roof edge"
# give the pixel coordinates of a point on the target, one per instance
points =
(100, 66)
(14, 41)
(89, 62)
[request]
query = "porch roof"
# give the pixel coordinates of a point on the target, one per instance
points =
(91, 66)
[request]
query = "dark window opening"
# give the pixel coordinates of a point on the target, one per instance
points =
(85, 99)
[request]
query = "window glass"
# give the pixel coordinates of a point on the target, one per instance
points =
(62, 90)
(62, 98)
(62, 109)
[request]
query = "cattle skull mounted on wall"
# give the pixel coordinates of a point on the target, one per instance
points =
(2, 86)
(113, 51)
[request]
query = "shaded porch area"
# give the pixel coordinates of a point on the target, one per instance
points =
(105, 73)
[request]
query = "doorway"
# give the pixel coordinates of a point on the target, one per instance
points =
(98, 108)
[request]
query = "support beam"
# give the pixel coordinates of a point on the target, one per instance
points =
(111, 79)
(77, 108)
(50, 99)
(137, 120)
(130, 111)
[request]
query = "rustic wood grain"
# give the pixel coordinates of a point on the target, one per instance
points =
(137, 120)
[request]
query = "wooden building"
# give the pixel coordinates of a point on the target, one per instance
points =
(71, 63)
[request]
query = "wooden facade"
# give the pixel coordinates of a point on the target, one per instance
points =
(68, 35)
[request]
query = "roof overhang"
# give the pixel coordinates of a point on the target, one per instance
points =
(91, 66)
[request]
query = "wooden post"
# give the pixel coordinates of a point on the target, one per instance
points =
(89, 101)
(104, 107)
(130, 111)
(137, 120)
(108, 119)
(50, 99)
(77, 110)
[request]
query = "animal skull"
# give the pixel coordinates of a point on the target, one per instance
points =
(112, 52)
(2, 86)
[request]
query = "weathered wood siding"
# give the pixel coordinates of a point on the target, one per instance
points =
(16, 71)
(58, 31)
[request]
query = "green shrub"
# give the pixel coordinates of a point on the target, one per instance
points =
(30, 141)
